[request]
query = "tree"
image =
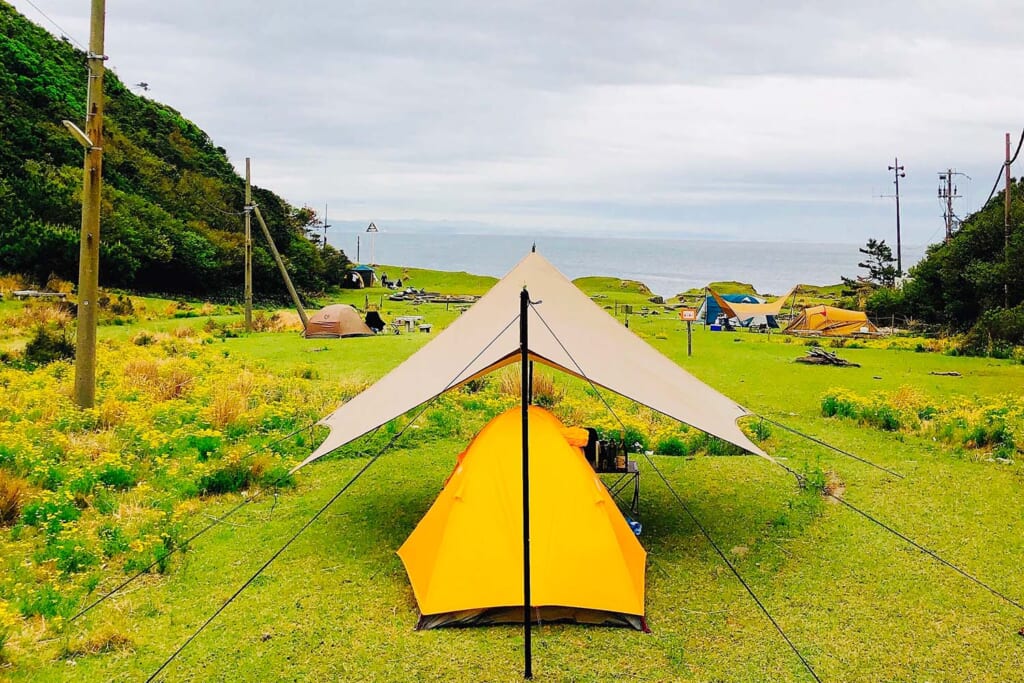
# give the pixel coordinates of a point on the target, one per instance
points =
(879, 263)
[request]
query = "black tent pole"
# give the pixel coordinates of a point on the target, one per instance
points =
(524, 305)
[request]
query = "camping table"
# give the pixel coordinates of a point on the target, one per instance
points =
(410, 321)
(630, 477)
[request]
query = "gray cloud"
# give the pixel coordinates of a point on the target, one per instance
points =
(739, 119)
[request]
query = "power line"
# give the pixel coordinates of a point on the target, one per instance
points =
(1002, 167)
(65, 34)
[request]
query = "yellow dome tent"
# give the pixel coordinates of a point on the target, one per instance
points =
(464, 559)
(831, 322)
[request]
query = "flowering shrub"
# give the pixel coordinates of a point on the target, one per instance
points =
(968, 423)
(87, 493)
(8, 620)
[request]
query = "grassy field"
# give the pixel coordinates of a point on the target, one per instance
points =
(860, 604)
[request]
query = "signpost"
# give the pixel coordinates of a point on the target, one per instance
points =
(689, 315)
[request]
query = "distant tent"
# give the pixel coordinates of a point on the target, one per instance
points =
(712, 308)
(747, 314)
(336, 320)
(831, 322)
(586, 564)
(366, 274)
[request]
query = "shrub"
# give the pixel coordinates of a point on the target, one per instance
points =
(113, 540)
(228, 478)
(760, 431)
(546, 393)
(47, 602)
(105, 639)
(673, 445)
(143, 339)
(47, 346)
(226, 408)
(122, 306)
(206, 444)
(835, 406)
(445, 421)
(8, 620)
(70, 554)
(884, 417)
(117, 477)
(475, 386)
(239, 475)
(13, 493)
(50, 515)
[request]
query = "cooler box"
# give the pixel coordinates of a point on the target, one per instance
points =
(716, 328)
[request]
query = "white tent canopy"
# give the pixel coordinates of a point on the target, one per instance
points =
(567, 331)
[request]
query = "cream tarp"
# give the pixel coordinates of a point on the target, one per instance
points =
(575, 336)
(742, 311)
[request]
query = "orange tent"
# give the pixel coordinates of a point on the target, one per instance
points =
(831, 322)
(465, 557)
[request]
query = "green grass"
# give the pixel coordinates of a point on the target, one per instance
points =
(860, 604)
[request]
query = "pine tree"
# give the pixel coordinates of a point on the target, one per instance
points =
(879, 263)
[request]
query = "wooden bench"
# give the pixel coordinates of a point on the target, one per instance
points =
(426, 327)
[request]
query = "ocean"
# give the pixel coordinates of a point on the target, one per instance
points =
(666, 266)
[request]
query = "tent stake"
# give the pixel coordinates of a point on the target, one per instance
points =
(524, 304)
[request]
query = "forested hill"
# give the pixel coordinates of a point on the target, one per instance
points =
(171, 200)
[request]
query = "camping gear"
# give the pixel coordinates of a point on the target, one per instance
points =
(832, 322)
(748, 313)
(464, 559)
(336, 320)
(711, 308)
(375, 322)
(563, 324)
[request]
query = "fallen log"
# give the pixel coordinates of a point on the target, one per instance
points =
(818, 356)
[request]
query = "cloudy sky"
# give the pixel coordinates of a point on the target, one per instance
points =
(734, 120)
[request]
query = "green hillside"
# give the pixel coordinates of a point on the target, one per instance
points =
(171, 217)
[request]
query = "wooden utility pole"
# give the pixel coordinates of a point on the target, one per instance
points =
(280, 265)
(899, 173)
(1006, 228)
(248, 248)
(89, 253)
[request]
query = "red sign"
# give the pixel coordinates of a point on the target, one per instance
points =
(688, 313)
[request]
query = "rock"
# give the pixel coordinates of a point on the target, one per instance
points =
(657, 299)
